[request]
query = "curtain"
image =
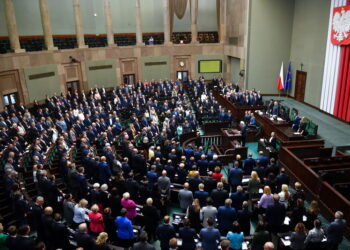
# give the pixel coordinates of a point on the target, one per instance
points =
(180, 7)
(342, 101)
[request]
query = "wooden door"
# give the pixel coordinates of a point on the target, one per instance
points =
(300, 82)
(73, 77)
(128, 66)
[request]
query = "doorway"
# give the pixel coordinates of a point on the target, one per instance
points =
(73, 86)
(10, 99)
(182, 75)
(129, 79)
(300, 83)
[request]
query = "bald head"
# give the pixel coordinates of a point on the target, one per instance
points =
(82, 227)
(48, 210)
(269, 246)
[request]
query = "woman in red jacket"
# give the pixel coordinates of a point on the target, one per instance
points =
(96, 220)
(217, 174)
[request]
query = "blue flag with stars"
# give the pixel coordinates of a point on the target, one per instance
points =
(288, 81)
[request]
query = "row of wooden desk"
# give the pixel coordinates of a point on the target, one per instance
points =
(283, 129)
(238, 112)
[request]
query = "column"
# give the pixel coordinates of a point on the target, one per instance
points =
(109, 26)
(78, 25)
(138, 23)
(45, 21)
(194, 13)
(12, 26)
(222, 34)
(167, 34)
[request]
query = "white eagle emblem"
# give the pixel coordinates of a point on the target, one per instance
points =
(341, 25)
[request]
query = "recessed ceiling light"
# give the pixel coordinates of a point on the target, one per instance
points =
(95, 14)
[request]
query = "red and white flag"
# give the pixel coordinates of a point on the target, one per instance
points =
(280, 83)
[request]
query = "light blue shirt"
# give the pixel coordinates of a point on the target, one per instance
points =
(235, 239)
(79, 214)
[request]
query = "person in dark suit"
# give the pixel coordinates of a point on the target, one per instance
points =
(201, 195)
(83, 239)
(238, 198)
(219, 195)
(275, 109)
(335, 231)
(23, 241)
(104, 170)
(181, 174)
(235, 176)
(248, 164)
(164, 233)
(195, 181)
(47, 221)
(10, 241)
(275, 215)
(296, 122)
(226, 216)
(60, 233)
(282, 178)
(283, 114)
(244, 216)
(243, 132)
(143, 244)
(209, 236)
(263, 160)
(187, 234)
(151, 219)
(35, 216)
(272, 142)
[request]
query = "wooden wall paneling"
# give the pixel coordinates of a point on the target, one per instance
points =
(128, 66)
(10, 83)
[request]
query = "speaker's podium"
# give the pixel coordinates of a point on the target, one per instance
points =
(230, 146)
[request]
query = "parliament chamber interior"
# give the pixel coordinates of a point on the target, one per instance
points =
(174, 124)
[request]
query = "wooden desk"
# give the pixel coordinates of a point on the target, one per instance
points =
(230, 135)
(283, 130)
(237, 111)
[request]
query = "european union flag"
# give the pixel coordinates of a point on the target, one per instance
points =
(288, 81)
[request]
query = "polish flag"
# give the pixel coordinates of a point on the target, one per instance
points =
(280, 83)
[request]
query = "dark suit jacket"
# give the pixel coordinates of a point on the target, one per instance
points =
(143, 246)
(60, 235)
(244, 217)
(226, 216)
(235, 176)
(151, 217)
(187, 235)
(24, 242)
(237, 199)
(84, 240)
(275, 215)
(335, 231)
(164, 233)
(219, 197)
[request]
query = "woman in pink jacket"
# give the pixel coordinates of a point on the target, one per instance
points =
(129, 205)
(96, 220)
